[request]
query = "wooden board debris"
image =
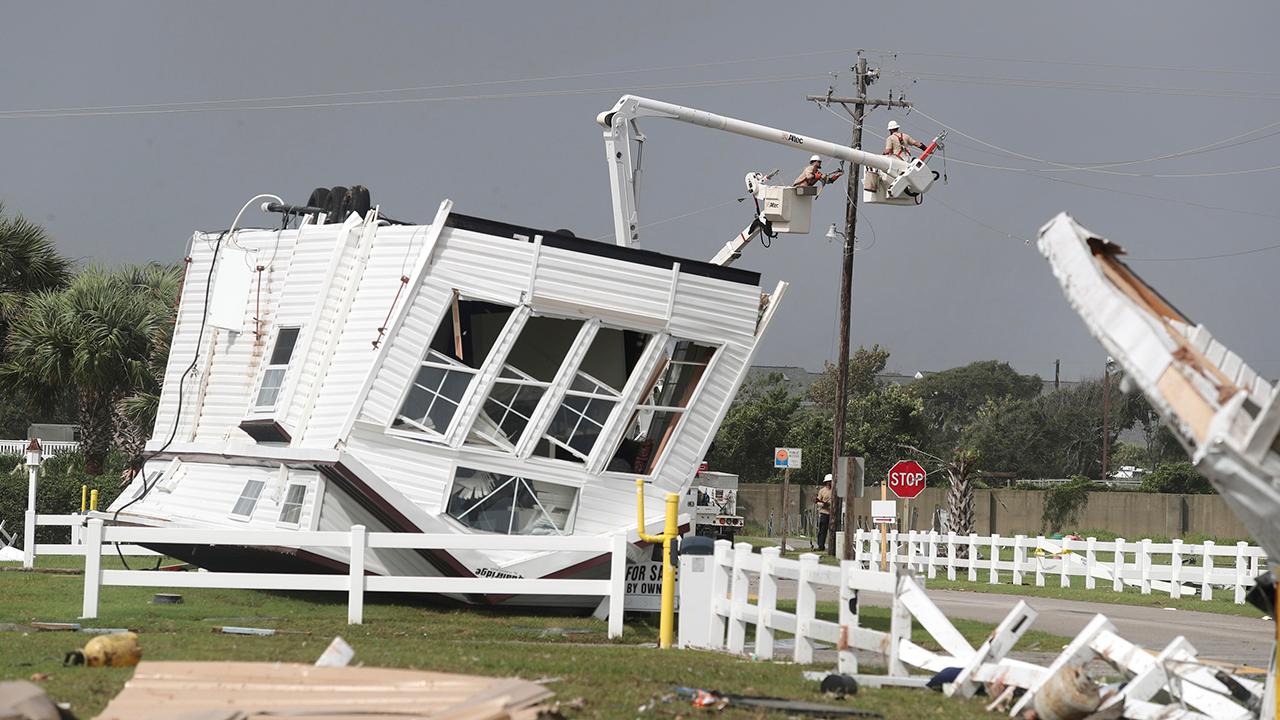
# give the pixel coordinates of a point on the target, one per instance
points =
(241, 690)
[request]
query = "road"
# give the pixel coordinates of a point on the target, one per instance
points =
(1231, 638)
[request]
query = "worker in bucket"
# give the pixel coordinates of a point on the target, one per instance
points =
(823, 501)
(897, 142)
(812, 174)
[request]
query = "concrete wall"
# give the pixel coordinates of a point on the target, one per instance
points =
(1010, 512)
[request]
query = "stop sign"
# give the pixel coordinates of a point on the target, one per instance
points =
(906, 479)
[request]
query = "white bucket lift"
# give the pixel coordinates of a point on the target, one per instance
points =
(905, 189)
(787, 209)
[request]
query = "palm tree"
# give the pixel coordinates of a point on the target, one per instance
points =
(97, 337)
(28, 264)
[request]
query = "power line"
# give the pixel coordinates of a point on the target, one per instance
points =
(1102, 170)
(1207, 257)
(1088, 86)
(1078, 63)
(1064, 167)
(417, 88)
(448, 98)
(1096, 188)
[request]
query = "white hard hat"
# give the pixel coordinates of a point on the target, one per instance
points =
(815, 158)
(827, 479)
(893, 125)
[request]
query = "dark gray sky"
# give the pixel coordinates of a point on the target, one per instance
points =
(941, 285)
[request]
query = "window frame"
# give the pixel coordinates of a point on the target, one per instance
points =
(262, 486)
(285, 504)
(256, 406)
(412, 429)
(639, 403)
(570, 519)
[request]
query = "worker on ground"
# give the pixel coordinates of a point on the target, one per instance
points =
(812, 174)
(823, 501)
(897, 142)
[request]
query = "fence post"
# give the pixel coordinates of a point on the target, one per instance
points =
(1090, 557)
(1175, 570)
(29, 539)
(1019, 557)
(1242, 578)
(77, 530)
(995, 559)
(1117, 563)
(911, 550)
(899, 628)
(92, 569)
(719, 590)
(617, 583)
(767, 602)
(933, 552)
(1039, 555)
(973, 557)
(857, 547)
(1144, 566)
(738, 592)
(355, 581)
(1206, 591)
(846, 658)
(951, 555)
(1064, 564)
(892, 557)
(806, 606)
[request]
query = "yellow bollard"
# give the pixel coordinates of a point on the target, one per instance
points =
(84, 498)
(93, 499)
(667, 615)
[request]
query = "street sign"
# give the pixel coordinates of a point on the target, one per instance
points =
(906, 479)
(884, 512)
(787, 458)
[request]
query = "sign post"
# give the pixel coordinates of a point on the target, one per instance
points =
(906, 480)
(786, 458)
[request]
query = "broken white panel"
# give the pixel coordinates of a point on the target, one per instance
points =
(232, 281)
(1077, 652)
(1001, 641)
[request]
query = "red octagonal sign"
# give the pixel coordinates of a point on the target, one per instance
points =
(906, 478)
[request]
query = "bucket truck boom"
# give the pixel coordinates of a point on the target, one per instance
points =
(624, 144)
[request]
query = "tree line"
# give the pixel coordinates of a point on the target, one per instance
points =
(86, 345)
(981, 420)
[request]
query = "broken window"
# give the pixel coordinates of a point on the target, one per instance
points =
(462, 342)
(291, 508)
(248, 499)
(664, 402)
(528, 371)
(510, 505)
(593, 395)
(277, 365)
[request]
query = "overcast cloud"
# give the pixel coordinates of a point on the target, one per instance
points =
(940, 285)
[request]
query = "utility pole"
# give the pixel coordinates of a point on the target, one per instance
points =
(1057, 368)
(1106, 416)
(864, 78)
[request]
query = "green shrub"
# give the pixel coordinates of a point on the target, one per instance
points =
(1178, 478)
(1064, 502)
(58, 492)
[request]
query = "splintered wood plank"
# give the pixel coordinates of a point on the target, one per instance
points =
(1190, 405)
(168, 689)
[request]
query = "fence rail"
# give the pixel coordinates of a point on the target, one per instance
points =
(1177, 568)
(356, 582)
(48, 448)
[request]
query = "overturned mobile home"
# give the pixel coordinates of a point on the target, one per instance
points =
(460, 376)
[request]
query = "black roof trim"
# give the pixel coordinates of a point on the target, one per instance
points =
(602, 249)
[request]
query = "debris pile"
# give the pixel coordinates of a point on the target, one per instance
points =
(245, 691)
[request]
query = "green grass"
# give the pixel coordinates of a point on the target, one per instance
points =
(613, 677)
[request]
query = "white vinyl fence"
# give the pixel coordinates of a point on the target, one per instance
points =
(355, 583)
(720, 604)
(1171, 568)
(75, 524)
(48, 448)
